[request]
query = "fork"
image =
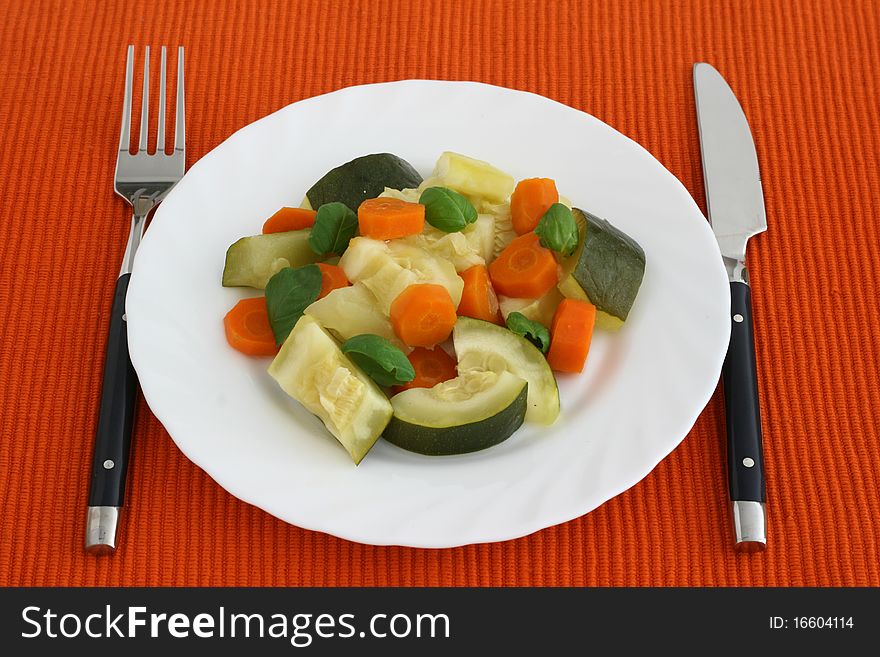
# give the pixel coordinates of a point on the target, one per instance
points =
(143, 180)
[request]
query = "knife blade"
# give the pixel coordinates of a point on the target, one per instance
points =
(735, 202)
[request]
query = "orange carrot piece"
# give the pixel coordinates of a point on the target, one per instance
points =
(289, 219)
(390, 218)
(248, 330)
(570, 335)
(432, 366)
(478, 299)
(524, 269)
(423, 315)
(332, 278)
(529, 201)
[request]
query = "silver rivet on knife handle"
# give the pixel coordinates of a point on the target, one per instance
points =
(101, 525)
(750, 526)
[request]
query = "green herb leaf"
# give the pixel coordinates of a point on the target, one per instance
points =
(288, 294)
(447, 209)
(534, 332)
(558, 230)
(379, 359)
(335, 225)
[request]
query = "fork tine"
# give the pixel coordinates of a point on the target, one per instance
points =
(160, 131)
(180, 117)
(145, 105)
(125, 130)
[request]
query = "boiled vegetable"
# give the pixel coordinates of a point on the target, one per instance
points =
(423, 315)
(252, 261)
(473, 178)
(313, 370)
(332, 278)
(364, 177)
(478, 299)
(248, 330)
(606, 270)
(482, 346)
(387, 269)
(571, 332)
(529, 201)
(463, 249)
(503, 233)
(289, 219)
(524, 268)
(431, 366)
(538, 310)
(466, 414)
(390, 218)
(351, 311)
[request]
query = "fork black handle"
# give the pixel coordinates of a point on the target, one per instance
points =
(116, 414)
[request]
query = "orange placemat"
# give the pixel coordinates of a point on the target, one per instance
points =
(807, 75)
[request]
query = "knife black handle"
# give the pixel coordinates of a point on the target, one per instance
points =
(116, 414)
(745, 453)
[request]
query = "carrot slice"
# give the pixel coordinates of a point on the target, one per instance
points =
(478, 299)
(423, 315)
(248, 330)
(529, 201)
(570, 335)
(524, 269)
(432, 366)
(390, 218)
(289, 219)
(332, 278)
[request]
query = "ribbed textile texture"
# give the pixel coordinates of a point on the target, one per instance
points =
(806, 73)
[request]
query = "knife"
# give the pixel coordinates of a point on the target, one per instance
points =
(735, 201)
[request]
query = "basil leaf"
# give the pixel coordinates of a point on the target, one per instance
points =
(447, 209)
(534, 332)
(288, 294)
(335, 225)
(379, 359)
(558, 230)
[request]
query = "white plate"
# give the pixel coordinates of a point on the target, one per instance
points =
(640, 394)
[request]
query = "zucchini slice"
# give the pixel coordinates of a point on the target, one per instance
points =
(471, 412)
(483, 346)
(252, 261)
(607, 270)
(364, 177)
(312, 369)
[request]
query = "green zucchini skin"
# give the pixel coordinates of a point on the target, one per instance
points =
(364, 177)
(460, 439)
(610, 266)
